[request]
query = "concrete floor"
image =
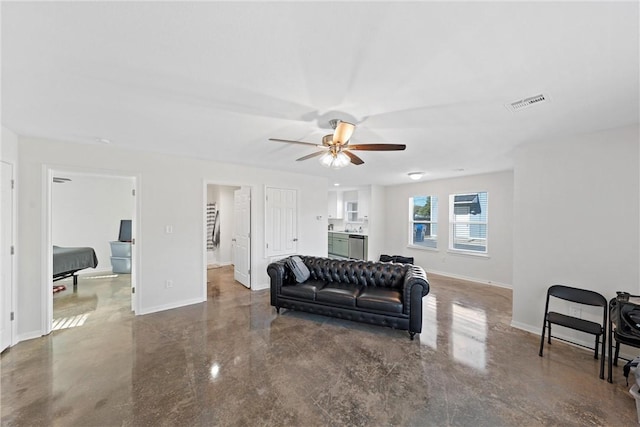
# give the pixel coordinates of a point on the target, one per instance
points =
(233, 361)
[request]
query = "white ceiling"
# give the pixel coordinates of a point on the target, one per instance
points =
(216, 79)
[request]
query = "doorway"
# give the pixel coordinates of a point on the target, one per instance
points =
(87, 210)
(228, 231)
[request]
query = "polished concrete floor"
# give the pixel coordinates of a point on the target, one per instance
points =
(233, 361)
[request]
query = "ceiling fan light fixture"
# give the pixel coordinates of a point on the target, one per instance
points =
(341, 161)
(326, 159)
(343, 132)
(415, 175)
(334, 160)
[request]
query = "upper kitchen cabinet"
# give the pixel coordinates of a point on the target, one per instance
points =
(364, 196)
(351, 205)
(336, 205)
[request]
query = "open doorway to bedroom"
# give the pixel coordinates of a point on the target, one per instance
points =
(91, 232)
(228, 237)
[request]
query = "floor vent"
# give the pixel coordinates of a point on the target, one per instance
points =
(527, 102)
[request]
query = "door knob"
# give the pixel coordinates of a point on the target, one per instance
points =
(295, 239)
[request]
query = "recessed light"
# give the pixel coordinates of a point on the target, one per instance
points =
(415, 175)
(336, 185)
(103, 140)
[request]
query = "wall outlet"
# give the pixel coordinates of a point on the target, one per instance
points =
(168, 284)
(575, 311)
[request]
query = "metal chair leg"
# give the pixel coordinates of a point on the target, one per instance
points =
(544, 327)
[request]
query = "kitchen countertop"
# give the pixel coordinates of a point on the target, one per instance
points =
(359, 233)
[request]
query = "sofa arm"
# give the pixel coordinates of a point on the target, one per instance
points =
(278, 273)
(415, 276)
(415, 288)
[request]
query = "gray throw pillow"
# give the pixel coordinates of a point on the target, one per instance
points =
(299, 269)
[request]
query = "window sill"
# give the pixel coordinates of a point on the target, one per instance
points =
(422, 248)
(468, 253)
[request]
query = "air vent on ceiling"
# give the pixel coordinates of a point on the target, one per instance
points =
(527, 102)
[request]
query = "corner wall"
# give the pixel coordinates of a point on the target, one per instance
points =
(576, 219)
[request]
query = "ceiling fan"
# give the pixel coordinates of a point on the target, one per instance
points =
(336, 152)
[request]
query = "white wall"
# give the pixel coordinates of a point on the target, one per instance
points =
(377, 221)
(87, 210)
(9, 146)
(496, 268)
(170, 192)
(577, 214)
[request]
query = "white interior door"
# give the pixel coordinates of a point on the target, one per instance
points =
(6, 235)
(241, 241)
(281, 217)
(134, 249)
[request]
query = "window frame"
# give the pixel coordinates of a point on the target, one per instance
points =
(433, 199)
(453, 223)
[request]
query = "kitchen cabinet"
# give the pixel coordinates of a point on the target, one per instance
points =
(363, 204)
(351, 211)
(339, 244)
(336, 206)
(353, 206)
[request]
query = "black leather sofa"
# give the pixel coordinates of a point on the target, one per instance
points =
(382, 293)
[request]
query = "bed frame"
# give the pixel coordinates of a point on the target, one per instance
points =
(68, 261)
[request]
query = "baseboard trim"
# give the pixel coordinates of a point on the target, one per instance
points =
(261, 287)
(569, 339)
(170, 306)
(28, 336)
(470, 279)
(573, 341)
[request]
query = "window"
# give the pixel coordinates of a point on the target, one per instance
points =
(423, 221)
(468, 222)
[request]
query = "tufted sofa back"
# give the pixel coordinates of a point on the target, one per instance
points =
(363, 273)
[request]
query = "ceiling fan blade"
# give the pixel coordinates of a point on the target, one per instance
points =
(354, 159)
(378, 147)
(343, 132)
(309, 156)
(295, 142)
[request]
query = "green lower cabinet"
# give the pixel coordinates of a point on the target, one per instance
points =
(341, 246)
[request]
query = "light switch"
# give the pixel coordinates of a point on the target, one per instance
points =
(168, 229)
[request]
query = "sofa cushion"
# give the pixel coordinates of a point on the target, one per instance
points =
(299, 269)
(306, 290)
(339, 293)
(380, 299)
